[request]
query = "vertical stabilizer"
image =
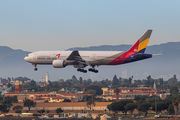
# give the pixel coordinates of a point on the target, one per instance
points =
(141, 44)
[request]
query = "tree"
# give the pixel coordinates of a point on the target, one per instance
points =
(140, 97)
(167, 102)
(130, 80)
(174, 90)
(7, 103)
(9, 100)
(148, 77)
(9, 85)
(171, 109)
(172, 80)
(74, 78)
(130, 107)
(90, 102)
(149, 82)
(160, 106)
(28, 103)
(14, 99)
(86, 98)
(115, 81)
(91, 91)
(80, 80)
(152, 98)
(124, 103)
(117, 94)
(1, 98)
(50, 84)
(144, 107)
(17, 109)
(96, 88)
(67, 100)
(4, 108)
(59, 110)
(119, 106)
(41, 111)
(33, 84)
(175, 102)
(115, 106)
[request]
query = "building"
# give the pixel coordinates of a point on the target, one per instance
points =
(107, 91)
(45, 96)
(130, 92)
(34, 96)
(17, 86)
(75, 107)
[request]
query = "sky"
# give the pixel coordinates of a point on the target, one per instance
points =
(33, 25)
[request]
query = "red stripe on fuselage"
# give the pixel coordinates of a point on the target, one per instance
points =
(123, 57)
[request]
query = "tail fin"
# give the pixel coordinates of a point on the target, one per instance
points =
(141, 44)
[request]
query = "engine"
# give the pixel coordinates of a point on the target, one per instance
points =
(59, 64)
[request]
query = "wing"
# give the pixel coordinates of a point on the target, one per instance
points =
(76, 60)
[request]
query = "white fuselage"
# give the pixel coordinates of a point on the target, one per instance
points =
(47, 57)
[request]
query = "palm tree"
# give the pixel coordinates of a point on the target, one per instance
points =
(117, 94)
(130, 80)
(175, 102)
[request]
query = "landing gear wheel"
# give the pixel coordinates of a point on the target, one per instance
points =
(84, 71)
(93, 70)
(96, 71)
(35, 68)
(81, 70)
(90, 69)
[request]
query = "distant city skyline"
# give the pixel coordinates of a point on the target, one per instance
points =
(59, 25)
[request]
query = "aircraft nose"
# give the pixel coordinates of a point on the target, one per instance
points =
(26, 59)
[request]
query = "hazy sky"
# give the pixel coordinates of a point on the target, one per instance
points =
(33, 25)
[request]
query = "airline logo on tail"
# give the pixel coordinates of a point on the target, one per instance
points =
(141, 44)
(136, 49)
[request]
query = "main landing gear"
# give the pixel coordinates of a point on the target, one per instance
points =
(85, 71)
(93, 70)
(35, 69)
(82, 70)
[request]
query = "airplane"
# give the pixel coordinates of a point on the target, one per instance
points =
(81, 59)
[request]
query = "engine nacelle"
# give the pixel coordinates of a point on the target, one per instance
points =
(59, 64)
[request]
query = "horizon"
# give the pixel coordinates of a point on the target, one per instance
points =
(89, 46)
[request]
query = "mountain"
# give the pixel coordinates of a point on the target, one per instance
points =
(12, 64)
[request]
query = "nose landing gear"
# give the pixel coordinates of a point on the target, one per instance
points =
(35, 69)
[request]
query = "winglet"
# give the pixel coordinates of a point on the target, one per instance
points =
(141, 44)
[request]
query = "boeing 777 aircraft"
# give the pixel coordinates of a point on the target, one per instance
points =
(81, 59)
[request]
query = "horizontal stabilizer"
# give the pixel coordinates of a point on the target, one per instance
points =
(156, 54)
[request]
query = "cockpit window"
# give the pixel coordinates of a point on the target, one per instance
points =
(27, 56)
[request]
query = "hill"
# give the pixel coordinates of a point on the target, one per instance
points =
(12, 64)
